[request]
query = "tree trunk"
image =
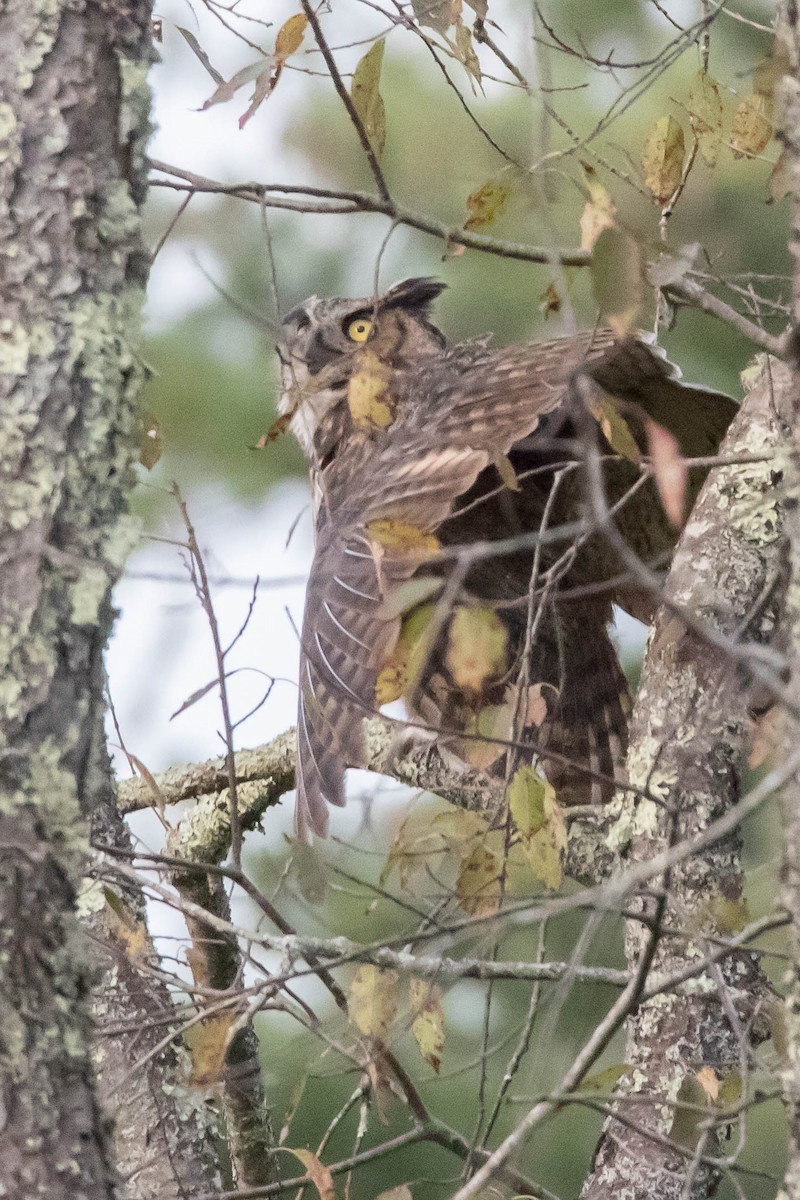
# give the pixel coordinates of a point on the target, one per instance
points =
(73, 120)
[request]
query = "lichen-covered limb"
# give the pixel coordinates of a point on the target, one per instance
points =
(74, 108)
(216, 962)
(164, 1141)
(790, 796)
(266, 773)
(789, 29)
(687, 740)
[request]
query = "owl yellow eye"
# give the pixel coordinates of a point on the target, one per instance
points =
(359, 329)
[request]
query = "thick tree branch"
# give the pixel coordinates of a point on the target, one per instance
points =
(688, 736)
(789, 29)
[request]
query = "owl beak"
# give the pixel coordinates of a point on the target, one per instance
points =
(317, 354)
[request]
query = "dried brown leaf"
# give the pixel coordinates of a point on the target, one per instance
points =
(317, 1172)
(486, 203)
(200, 54)
(670, 470)
(705, 115)
(752, 126)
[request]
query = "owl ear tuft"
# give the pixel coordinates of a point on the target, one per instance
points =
(416, 293)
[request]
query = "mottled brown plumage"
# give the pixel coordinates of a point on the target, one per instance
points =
(413, 445)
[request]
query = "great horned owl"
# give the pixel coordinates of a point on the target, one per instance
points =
(448, 504)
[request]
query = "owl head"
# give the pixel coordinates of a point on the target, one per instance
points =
(322, 340)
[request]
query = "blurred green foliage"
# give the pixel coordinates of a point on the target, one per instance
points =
(213, 390)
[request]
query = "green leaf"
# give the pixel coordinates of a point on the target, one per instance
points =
(617, 278)
(526, 801)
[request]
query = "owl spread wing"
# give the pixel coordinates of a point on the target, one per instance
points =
(455, 416)
(457, 424)
(349, 627)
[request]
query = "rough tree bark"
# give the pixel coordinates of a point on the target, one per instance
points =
(688, 737)
(74, 108)
(789, 30)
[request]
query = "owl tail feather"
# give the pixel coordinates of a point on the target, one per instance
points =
(588, 706)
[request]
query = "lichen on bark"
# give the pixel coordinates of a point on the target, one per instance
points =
(73, 126)
(688, 738)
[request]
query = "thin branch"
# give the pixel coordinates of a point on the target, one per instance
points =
(347, 101)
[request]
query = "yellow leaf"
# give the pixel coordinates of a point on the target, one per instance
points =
(415, 846)
(779, 1032)
(526, 800)
(752, 126)
(477, 645)
(662, 158)
(599, 212)
(505, 469)
(617, 278)
(317, 1172)
(705, 115)
(460, 826)
(372, 1002)
(401, 536)
(367, 99)
(615, 428)
(208, 1044)
(539, 820)
(290, 37)
(368, 396)
(403, 667)
(466, 51)
(486, 204)
(428, 1023)
(478, 883)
